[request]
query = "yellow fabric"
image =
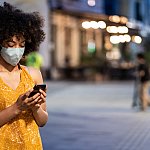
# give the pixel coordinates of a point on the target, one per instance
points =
(22, 132)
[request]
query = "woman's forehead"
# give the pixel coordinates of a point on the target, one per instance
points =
(15, 38)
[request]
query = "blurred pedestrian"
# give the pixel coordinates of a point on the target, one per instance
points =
(144, 77)
(20, 115)
(136, 96)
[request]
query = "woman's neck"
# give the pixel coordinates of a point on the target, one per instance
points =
(5, 67)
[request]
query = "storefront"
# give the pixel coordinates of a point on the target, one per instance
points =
(84, 41)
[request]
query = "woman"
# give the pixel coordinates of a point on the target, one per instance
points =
(20, 115)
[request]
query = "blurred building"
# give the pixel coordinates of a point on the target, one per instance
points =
(93, 32)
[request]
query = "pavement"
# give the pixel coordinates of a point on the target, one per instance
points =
(94, 116)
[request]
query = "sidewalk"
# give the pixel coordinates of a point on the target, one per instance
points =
(87, 116)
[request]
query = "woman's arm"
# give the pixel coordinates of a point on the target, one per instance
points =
(40, 115)
(22, 103)
(8, 114)
(39, 110)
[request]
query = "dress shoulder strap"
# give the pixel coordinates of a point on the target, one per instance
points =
(26, 73)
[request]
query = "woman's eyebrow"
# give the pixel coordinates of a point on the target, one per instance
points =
(23, 41)
(14, 41)
(10, 40)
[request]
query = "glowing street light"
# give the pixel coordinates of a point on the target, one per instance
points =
(114, 29)
(127, 37)
(137, 39)
(86, 24)
(102, 24)
(122, 29)
(114, 18)
(94, 24)
(114, 39)
(91, 3)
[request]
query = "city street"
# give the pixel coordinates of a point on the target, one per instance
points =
(94, 116)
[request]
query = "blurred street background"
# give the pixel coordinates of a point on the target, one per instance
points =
(88, 62)
(94, 116)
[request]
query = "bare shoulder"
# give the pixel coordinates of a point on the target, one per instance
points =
(35, 74)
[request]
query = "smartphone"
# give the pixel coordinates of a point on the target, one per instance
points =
(36, 89)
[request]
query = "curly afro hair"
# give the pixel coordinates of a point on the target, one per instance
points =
(14, 21)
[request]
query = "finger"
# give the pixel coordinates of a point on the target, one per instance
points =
(37, 105)
(41, 101)
(29, 104)
(25, 95)
(43, 97)
(43, 92)
(35, 101)
(33, 97)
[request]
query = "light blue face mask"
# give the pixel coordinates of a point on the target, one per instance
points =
(12, 55)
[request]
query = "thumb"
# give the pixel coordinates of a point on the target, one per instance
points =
(25, 95)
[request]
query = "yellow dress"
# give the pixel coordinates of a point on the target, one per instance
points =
(22, 132)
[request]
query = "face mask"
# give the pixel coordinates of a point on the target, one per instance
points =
(12, 55)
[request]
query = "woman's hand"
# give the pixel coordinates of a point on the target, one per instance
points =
(40, 101)
(24, 102)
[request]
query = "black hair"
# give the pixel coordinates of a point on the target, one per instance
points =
(140, 55)
(14, 21)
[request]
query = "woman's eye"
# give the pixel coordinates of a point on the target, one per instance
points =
(22, 45)
(10, 45)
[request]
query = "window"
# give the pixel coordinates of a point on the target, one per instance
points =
(138, 15)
